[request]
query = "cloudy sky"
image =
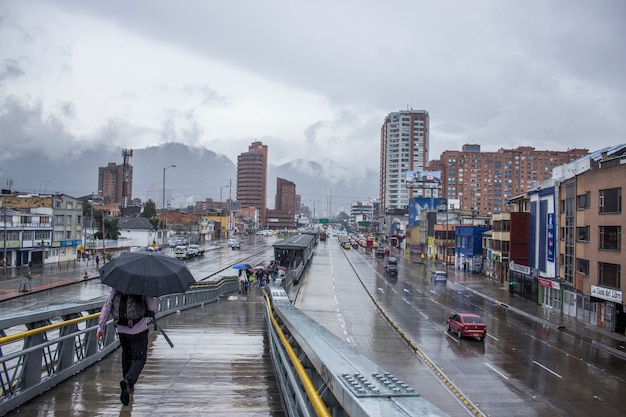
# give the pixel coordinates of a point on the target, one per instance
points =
(313, 79)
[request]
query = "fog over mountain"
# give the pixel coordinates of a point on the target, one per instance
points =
(199, 174)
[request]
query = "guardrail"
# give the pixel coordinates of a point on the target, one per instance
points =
(46, 347)
(318, 373)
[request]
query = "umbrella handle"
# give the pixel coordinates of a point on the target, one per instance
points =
(156, 327)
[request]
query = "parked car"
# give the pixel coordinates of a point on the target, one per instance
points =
(439, 276)
(467, 325)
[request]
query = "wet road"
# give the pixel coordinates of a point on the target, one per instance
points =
(521, 369)
(214, 264)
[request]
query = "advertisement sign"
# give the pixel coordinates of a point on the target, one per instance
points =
(417, 204)
(550, 249)
(413, 177)
(606, 294)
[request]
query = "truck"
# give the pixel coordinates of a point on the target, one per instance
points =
(187, 252)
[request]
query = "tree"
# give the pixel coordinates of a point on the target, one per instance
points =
(149, 209)
(150, 213)
(111, 229)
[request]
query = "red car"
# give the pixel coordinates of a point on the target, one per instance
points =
(467, 325)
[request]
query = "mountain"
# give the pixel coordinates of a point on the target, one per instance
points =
(199, 174)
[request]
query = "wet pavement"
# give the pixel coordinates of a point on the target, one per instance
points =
(218, 365)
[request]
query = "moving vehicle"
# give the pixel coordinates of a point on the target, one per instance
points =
(235, 244)
(187, 252)
(467, 325)
(439, 276)
(380, 253)
(347, 245)
(391, 268)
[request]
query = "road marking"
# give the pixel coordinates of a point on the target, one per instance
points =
(496, 371)
(493, 337)
(424, 315)
(547, 369)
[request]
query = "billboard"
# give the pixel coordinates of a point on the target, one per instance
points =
(417, 204)
(413, 177)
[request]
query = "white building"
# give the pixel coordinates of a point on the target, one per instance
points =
(404, 138)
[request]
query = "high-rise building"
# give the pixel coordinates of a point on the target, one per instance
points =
(111, 185)
(252, 179)
(484, 182)
(284, 214)
(404, 138)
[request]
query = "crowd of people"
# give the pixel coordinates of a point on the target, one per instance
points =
(261, 275)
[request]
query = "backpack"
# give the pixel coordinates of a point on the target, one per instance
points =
(128, 309)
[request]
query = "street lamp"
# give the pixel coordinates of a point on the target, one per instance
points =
(222, 207)
(163, 206)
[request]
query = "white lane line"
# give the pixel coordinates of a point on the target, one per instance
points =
(547, 369)
(424, 315)
(496, 371)
(493, 337)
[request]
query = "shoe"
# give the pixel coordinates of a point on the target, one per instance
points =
(125, 395)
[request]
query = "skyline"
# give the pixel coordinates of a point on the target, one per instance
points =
(310, 84)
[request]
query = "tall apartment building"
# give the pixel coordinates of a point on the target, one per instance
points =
(252, 179)
(483, 182)
(284, 214)
(111, 182)
(404, 138)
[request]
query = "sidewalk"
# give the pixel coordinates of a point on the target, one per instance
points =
(499, 293)
(14, 284)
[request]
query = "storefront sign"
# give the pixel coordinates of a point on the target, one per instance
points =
(549, 284)
(550, 254)
(606, 294)
(522, 269)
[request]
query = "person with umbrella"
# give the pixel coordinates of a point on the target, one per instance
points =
(138, 276)
(133, 339)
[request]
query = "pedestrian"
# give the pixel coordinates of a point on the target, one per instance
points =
(242, 283)
(133, 339)
(97, 261)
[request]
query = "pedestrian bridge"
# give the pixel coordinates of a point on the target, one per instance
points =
(248, 355)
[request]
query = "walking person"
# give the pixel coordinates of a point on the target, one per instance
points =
(133, 334)
(242, 282)
(97, 261)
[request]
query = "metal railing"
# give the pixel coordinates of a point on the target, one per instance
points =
(46, 347)
(318, 373)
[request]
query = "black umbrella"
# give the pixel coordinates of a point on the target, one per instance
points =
(145, 273)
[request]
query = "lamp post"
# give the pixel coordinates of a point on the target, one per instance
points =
(222, 207)
(163, 206)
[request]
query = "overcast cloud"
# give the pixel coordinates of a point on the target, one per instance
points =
(313, 80)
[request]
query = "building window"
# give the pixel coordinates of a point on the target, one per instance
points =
(58, 220)
(610, 237)
(609, 275)
(582, 234)
(562, 233)
(583, 201)
(611, 200)
(582, 266)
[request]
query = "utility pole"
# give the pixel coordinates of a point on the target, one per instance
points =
(104, 254)
(4, 259)
(163, 207)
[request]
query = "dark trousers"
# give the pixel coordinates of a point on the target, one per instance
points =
(134, 355)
